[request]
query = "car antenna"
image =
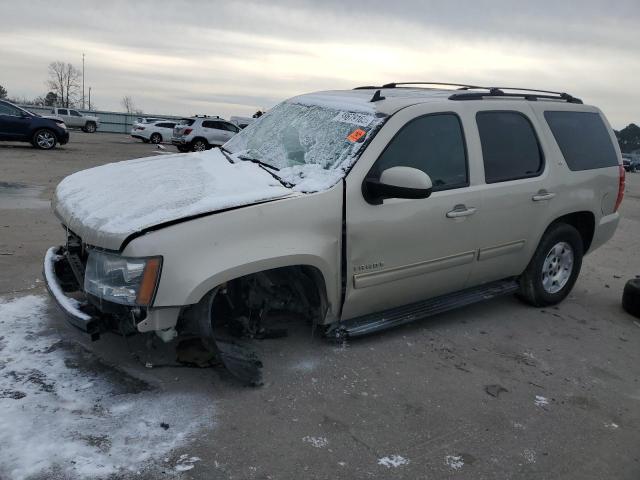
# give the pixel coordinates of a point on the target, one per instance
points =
(377, 97)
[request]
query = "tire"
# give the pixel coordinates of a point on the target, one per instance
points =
(90, 127)
(44, 139)
(554, 268)
(156, 138)
(183, 149)
(199, 145)
(631, 297)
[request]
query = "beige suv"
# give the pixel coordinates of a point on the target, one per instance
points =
(354, 210)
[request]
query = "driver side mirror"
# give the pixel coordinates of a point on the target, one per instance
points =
(397, 182)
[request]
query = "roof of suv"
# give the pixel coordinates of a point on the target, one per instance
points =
(390, 98)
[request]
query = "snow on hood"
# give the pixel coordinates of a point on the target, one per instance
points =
(106, 204)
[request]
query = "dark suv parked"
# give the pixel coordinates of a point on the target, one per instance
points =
(19, 125)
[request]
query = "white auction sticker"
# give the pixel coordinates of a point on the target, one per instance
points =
(361, 119)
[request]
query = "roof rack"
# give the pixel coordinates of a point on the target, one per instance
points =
(518, 93)
(526, 93)
(395, 84)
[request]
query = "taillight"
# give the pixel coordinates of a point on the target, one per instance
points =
(188, 131)
(621, 183)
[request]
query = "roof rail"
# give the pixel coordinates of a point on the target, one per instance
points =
(396, 84)
(526, 93)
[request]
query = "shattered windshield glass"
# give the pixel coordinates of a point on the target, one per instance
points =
(293, 135)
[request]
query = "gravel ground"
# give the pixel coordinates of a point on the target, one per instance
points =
(495, 390)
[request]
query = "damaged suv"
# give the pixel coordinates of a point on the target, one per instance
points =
(355, 210)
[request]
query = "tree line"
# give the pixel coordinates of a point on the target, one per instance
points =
(64, 84)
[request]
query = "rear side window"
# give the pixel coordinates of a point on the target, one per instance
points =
(583, 139)
(510, 148)
(433, 144)
(63, 111)
(211, 124)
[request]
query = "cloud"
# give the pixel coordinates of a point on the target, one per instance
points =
(233, 57)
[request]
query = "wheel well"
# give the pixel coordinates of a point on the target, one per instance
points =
(584, 222)
(195, 139)
(298, 289)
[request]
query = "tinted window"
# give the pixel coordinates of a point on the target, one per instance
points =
(433, 144)
(74, 113)
(212, 124)
(164, 125)
(583, 139)
(510, 148)
(6, 109)
(63, 111)
(186, 121)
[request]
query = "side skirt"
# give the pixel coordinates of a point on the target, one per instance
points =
(376, 322)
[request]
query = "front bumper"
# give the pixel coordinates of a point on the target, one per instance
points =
(63, 137)
(80, 314)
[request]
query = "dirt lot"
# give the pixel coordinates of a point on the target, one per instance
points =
(497, 390)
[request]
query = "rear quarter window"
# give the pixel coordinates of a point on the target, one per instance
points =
(583, 139)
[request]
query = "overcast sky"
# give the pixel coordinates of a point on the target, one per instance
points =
(231, 58)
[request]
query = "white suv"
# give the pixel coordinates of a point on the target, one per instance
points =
(354, 210)
(201, 133)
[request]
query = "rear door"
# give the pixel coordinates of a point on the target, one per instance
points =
(63, 113)
(519, 191)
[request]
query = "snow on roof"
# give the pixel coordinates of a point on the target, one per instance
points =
(360, 100)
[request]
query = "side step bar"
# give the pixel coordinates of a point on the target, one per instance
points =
(375, 322)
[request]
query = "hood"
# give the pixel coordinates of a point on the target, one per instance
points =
(107, 204)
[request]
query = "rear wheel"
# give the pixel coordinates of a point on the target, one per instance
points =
(90, 127)
(156, 138)
(44, 139)
(199, 145)
(183, 148)
(554, 268)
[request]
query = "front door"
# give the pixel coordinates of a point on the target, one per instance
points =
(14, 124)
(403, 250)
(75, 119)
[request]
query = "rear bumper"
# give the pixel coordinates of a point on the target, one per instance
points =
(75, 311)
(139, 137)
(179, 141)
(605, 229)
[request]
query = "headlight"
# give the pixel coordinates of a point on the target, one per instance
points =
(124, 280)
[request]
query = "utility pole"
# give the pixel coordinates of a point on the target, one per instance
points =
(83, 81)
(89, 98)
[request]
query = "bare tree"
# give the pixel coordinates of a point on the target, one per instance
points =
(127, 104)
(64, 81)
(3, 92)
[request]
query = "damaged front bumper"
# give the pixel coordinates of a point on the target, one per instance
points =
(63, 273)
(59, 279)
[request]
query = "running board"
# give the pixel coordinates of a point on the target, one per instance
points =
(375, 322)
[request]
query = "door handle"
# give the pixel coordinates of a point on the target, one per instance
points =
(543, 195)
(461, 211)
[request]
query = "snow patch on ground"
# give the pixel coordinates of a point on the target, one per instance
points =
(454, 461)
(61, 417)
(611, 425)
(185, 462)
(541, 401)
(392, 461)
(529, 455)
(318, 442)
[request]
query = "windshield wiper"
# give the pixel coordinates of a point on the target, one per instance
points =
(260, 163)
